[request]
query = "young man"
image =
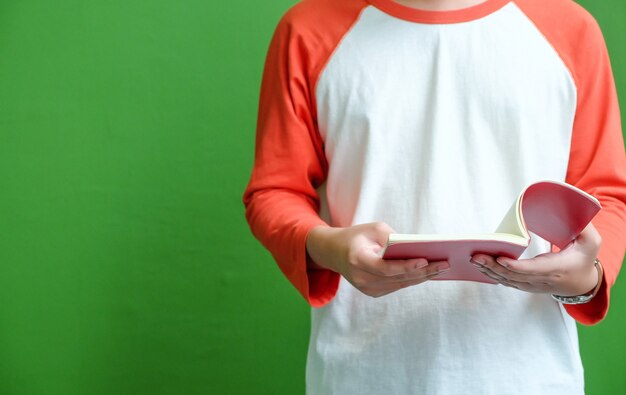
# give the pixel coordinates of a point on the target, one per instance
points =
(430, 117)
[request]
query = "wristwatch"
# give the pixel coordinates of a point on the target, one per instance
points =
(580, 299)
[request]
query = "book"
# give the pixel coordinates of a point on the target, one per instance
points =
(554, 211)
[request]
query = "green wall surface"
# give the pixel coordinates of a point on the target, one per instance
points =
(126, 266)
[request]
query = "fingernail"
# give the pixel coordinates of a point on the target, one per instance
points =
(443, 267)
(502, 262)
(478, 262)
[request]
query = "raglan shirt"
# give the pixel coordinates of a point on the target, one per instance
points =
(433, 122)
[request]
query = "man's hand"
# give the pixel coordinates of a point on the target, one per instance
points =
(354, 252)
(568, 272)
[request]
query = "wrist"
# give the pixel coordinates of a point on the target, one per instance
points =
(317, 242)
(586, 297)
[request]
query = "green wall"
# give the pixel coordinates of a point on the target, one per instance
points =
(126, 266)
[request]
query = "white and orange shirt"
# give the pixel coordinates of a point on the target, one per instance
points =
(433, 122)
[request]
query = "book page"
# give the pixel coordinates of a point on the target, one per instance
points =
(512, 222)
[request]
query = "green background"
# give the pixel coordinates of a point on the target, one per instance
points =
(126, 265)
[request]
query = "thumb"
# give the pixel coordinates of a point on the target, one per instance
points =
(380, 232)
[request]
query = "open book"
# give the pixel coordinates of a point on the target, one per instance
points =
(555, 211)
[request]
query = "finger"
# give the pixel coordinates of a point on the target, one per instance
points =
(432, 269)
(510, 269)
(393, 267)
(378, 290)
(528, 283)
(380, 232)
(528, 287)
(369, 260)
(382, 289)
(503, 281)
(491, 274)
(484, 264)
(542, 265)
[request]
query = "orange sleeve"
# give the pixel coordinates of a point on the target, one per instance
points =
(281, 200)
(597, 162)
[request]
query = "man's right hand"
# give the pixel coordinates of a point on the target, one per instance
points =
(354, 252)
